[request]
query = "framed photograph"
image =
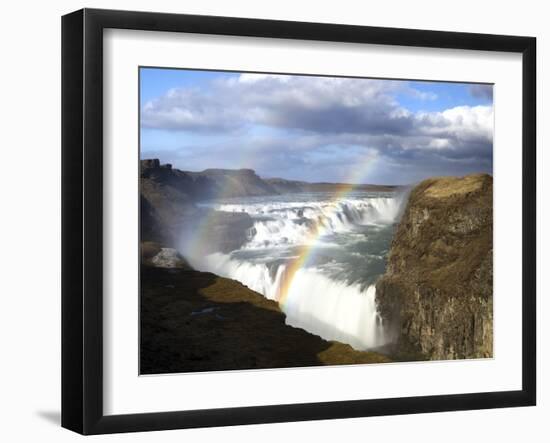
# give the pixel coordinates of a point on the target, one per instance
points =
(268, 221)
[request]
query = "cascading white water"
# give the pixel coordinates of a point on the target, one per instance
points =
(290, 223)
(333, 293)
(331, 309)
(254, 275)
(334, 310)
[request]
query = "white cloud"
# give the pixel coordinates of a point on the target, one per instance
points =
(463, 122)
(320, 112)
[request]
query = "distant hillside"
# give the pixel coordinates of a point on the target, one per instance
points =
(284, 186)
(227, 183)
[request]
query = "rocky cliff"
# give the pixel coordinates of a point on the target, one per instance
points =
(436, 296)
(203, 185)
(169, 214)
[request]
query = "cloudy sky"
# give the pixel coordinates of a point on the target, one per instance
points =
(316, 128)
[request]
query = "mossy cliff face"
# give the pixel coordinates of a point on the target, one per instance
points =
(436, 296)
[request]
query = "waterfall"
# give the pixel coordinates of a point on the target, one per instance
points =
(354, 234)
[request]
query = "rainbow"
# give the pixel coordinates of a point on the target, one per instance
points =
(306, 251)
(194, 247)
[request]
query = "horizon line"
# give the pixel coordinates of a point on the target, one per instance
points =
(309, 182)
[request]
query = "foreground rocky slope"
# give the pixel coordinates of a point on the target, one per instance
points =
(436, 296)
(196, 321)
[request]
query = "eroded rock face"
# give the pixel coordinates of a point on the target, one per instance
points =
(170, 216)
(168, 258)
(436, 297)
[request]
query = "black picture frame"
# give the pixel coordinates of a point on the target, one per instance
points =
(82, 215)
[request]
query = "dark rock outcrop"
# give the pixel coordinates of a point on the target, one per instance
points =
(207, 184)
(436, 296)
(151, 163)
(170, 216)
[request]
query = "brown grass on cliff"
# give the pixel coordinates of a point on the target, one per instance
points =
(447, 231)
(437, 291)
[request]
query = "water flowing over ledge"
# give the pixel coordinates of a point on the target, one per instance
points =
(319, 256)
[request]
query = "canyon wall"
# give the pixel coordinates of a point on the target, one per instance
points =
(436, 296)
